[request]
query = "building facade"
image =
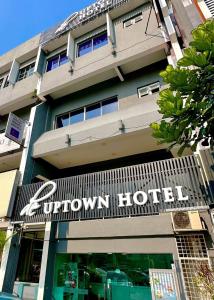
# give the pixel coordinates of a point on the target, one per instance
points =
(94, 208)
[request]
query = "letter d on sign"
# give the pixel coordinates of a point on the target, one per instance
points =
(30, 209)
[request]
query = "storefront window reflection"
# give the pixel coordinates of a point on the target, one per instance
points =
(30, 257)
(106, 276)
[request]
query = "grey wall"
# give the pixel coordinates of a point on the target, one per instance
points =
(152, 234)
(124, 245)
(135, 48)
(126, 91)
(33, 167)
(118, 227)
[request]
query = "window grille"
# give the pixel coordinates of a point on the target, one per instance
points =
(26, 72)
(192, 253)
(1, 82)
(189, 267)
(6, 82)
(192, 246)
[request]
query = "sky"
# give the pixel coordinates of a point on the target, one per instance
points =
(22, 19)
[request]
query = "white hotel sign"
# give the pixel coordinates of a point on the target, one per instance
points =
(123, 200)
(7, 145)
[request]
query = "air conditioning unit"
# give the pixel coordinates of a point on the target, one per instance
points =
(138, 19)
(143, 91)
(186, 221)
(128, 23)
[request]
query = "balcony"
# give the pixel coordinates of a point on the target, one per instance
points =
(118, 134)
(135, 49)
(10, 154)
(19, 95)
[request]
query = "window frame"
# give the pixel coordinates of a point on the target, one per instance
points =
(54, 54)
(149, 87)
(84, 111)
(52, 58)
(26, 68)
(5, 82)
(2, 79)
(92, 44)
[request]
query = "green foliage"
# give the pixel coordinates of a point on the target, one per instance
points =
(187, 105)
(2, 240)
(204, 280)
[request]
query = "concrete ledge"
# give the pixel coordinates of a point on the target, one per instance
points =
(119, 227)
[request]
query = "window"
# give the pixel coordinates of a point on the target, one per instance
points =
(93, 111)
(77, 116)
(29, 265)
(26, 72)
(115, 276)
(1, 82)
(109, 105)
(4, 82)
(133, 20)
(149, 89)
(92, 44)
(56, 61)
(87, 112)
(62, 121)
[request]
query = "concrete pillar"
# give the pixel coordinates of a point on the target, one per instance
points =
(9, 262)
(11, 250)
(47, 265)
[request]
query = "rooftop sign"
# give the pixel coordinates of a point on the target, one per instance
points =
(78, 18)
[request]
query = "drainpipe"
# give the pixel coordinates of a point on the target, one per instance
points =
(199, 10)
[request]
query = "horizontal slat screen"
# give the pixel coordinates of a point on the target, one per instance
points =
(210, 5)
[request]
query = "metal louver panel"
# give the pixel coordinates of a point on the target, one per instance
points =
(182, 171)
(210, 5)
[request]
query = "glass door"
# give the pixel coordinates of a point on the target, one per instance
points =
(106, 276)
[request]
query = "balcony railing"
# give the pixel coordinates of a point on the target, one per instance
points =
(144, 189)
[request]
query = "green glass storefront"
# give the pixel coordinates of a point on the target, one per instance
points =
(107, 276)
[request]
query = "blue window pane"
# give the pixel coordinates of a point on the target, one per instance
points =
(53, 63)
(63, 59)
(62, 121)
(93, 111)
(100, 41)
(85, 48)
(77, 116)
(109, 106)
